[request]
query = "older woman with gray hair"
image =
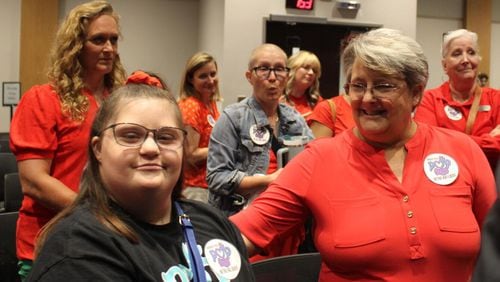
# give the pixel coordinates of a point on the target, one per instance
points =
(403, 201)
(461, 103)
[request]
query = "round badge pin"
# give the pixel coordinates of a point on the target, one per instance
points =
(452, 113)
(440, 169)
(259, 135)
(211, 120)
(223, 258)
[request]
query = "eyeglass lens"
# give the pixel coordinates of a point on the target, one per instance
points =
(134, 135)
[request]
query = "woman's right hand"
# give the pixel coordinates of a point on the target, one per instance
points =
(496, 131)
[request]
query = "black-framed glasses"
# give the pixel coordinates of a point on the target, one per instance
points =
(134, 135)
(264, 72)
(379, 91)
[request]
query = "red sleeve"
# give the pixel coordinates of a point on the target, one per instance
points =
(322, 113)
(33, 128)
(191, 113)
(280, 208)
(485, 192)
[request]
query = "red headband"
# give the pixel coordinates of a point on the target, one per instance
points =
(140, 77)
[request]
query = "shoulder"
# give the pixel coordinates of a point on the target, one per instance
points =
(188, 101)
(40, 94)
(446, 137)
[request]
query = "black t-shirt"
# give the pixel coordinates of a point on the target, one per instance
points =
(82, 249)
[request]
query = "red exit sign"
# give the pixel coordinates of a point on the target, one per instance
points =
(300, 4)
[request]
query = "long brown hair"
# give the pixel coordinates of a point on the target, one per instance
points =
(92, 189)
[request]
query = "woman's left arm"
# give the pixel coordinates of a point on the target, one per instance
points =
(194, 154)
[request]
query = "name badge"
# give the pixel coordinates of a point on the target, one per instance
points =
(484, 108)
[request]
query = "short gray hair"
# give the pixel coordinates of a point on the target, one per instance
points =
(389, 52)
(449, 36)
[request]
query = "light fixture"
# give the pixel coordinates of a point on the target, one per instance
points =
(348, 5)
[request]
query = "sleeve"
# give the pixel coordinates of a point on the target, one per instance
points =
(33, 131)
(484, 184)
(223, 176)
(191, 114)
(322, 114)
(486, 268)
(490, 144)
(281, 208)
(425, 112)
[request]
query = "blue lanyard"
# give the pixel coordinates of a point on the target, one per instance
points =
(194, 254)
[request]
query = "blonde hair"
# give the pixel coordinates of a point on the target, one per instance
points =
(300, 59)
(193, 64)
(66, 72)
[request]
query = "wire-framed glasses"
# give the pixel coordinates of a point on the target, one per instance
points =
(134, 135)
(379, 91)
(264, 72)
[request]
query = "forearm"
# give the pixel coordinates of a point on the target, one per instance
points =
(197, 156)
(48, 191)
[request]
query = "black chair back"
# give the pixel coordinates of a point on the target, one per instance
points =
(8, 259)
(8, 164)
(294, 268)
(4, 146)
(13, 192)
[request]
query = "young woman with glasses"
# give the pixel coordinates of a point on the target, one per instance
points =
(129, 222)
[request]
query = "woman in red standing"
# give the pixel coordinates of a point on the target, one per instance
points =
(50, 129)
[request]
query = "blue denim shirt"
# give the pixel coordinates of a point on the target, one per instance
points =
(233, 155)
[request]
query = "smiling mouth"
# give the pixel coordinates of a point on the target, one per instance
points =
(374, 113)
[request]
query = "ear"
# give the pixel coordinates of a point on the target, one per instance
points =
(443, 63)
(417, 93)
(248, 75)
(96, 147)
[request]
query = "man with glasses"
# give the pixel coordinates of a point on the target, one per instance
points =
(244, 141)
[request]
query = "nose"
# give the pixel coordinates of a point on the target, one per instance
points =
(149, 145)
(273, 73)
(108, 46)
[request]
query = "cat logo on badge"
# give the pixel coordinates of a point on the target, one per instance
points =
(260, 135)
(452, 113)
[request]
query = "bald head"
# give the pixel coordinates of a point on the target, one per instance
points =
(254, 56)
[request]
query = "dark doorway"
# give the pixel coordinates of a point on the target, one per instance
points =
(325, 40)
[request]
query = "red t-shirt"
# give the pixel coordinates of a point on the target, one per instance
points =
(202, 119)
(301, 105)
(39, 130)
(368, 225)
(439, 109)
(343, 116)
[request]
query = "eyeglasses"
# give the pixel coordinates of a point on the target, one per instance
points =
(379, 91)
(264, 72)
(101, 40)
(134, 135)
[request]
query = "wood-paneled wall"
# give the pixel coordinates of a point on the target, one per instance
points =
(39, 21)
(478, 19)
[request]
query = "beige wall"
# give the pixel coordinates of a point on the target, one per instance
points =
(159, 35)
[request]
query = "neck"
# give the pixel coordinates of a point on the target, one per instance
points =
(462, 92)
(298, 91)
(205, 99)
(395, 142)
(155, 212)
